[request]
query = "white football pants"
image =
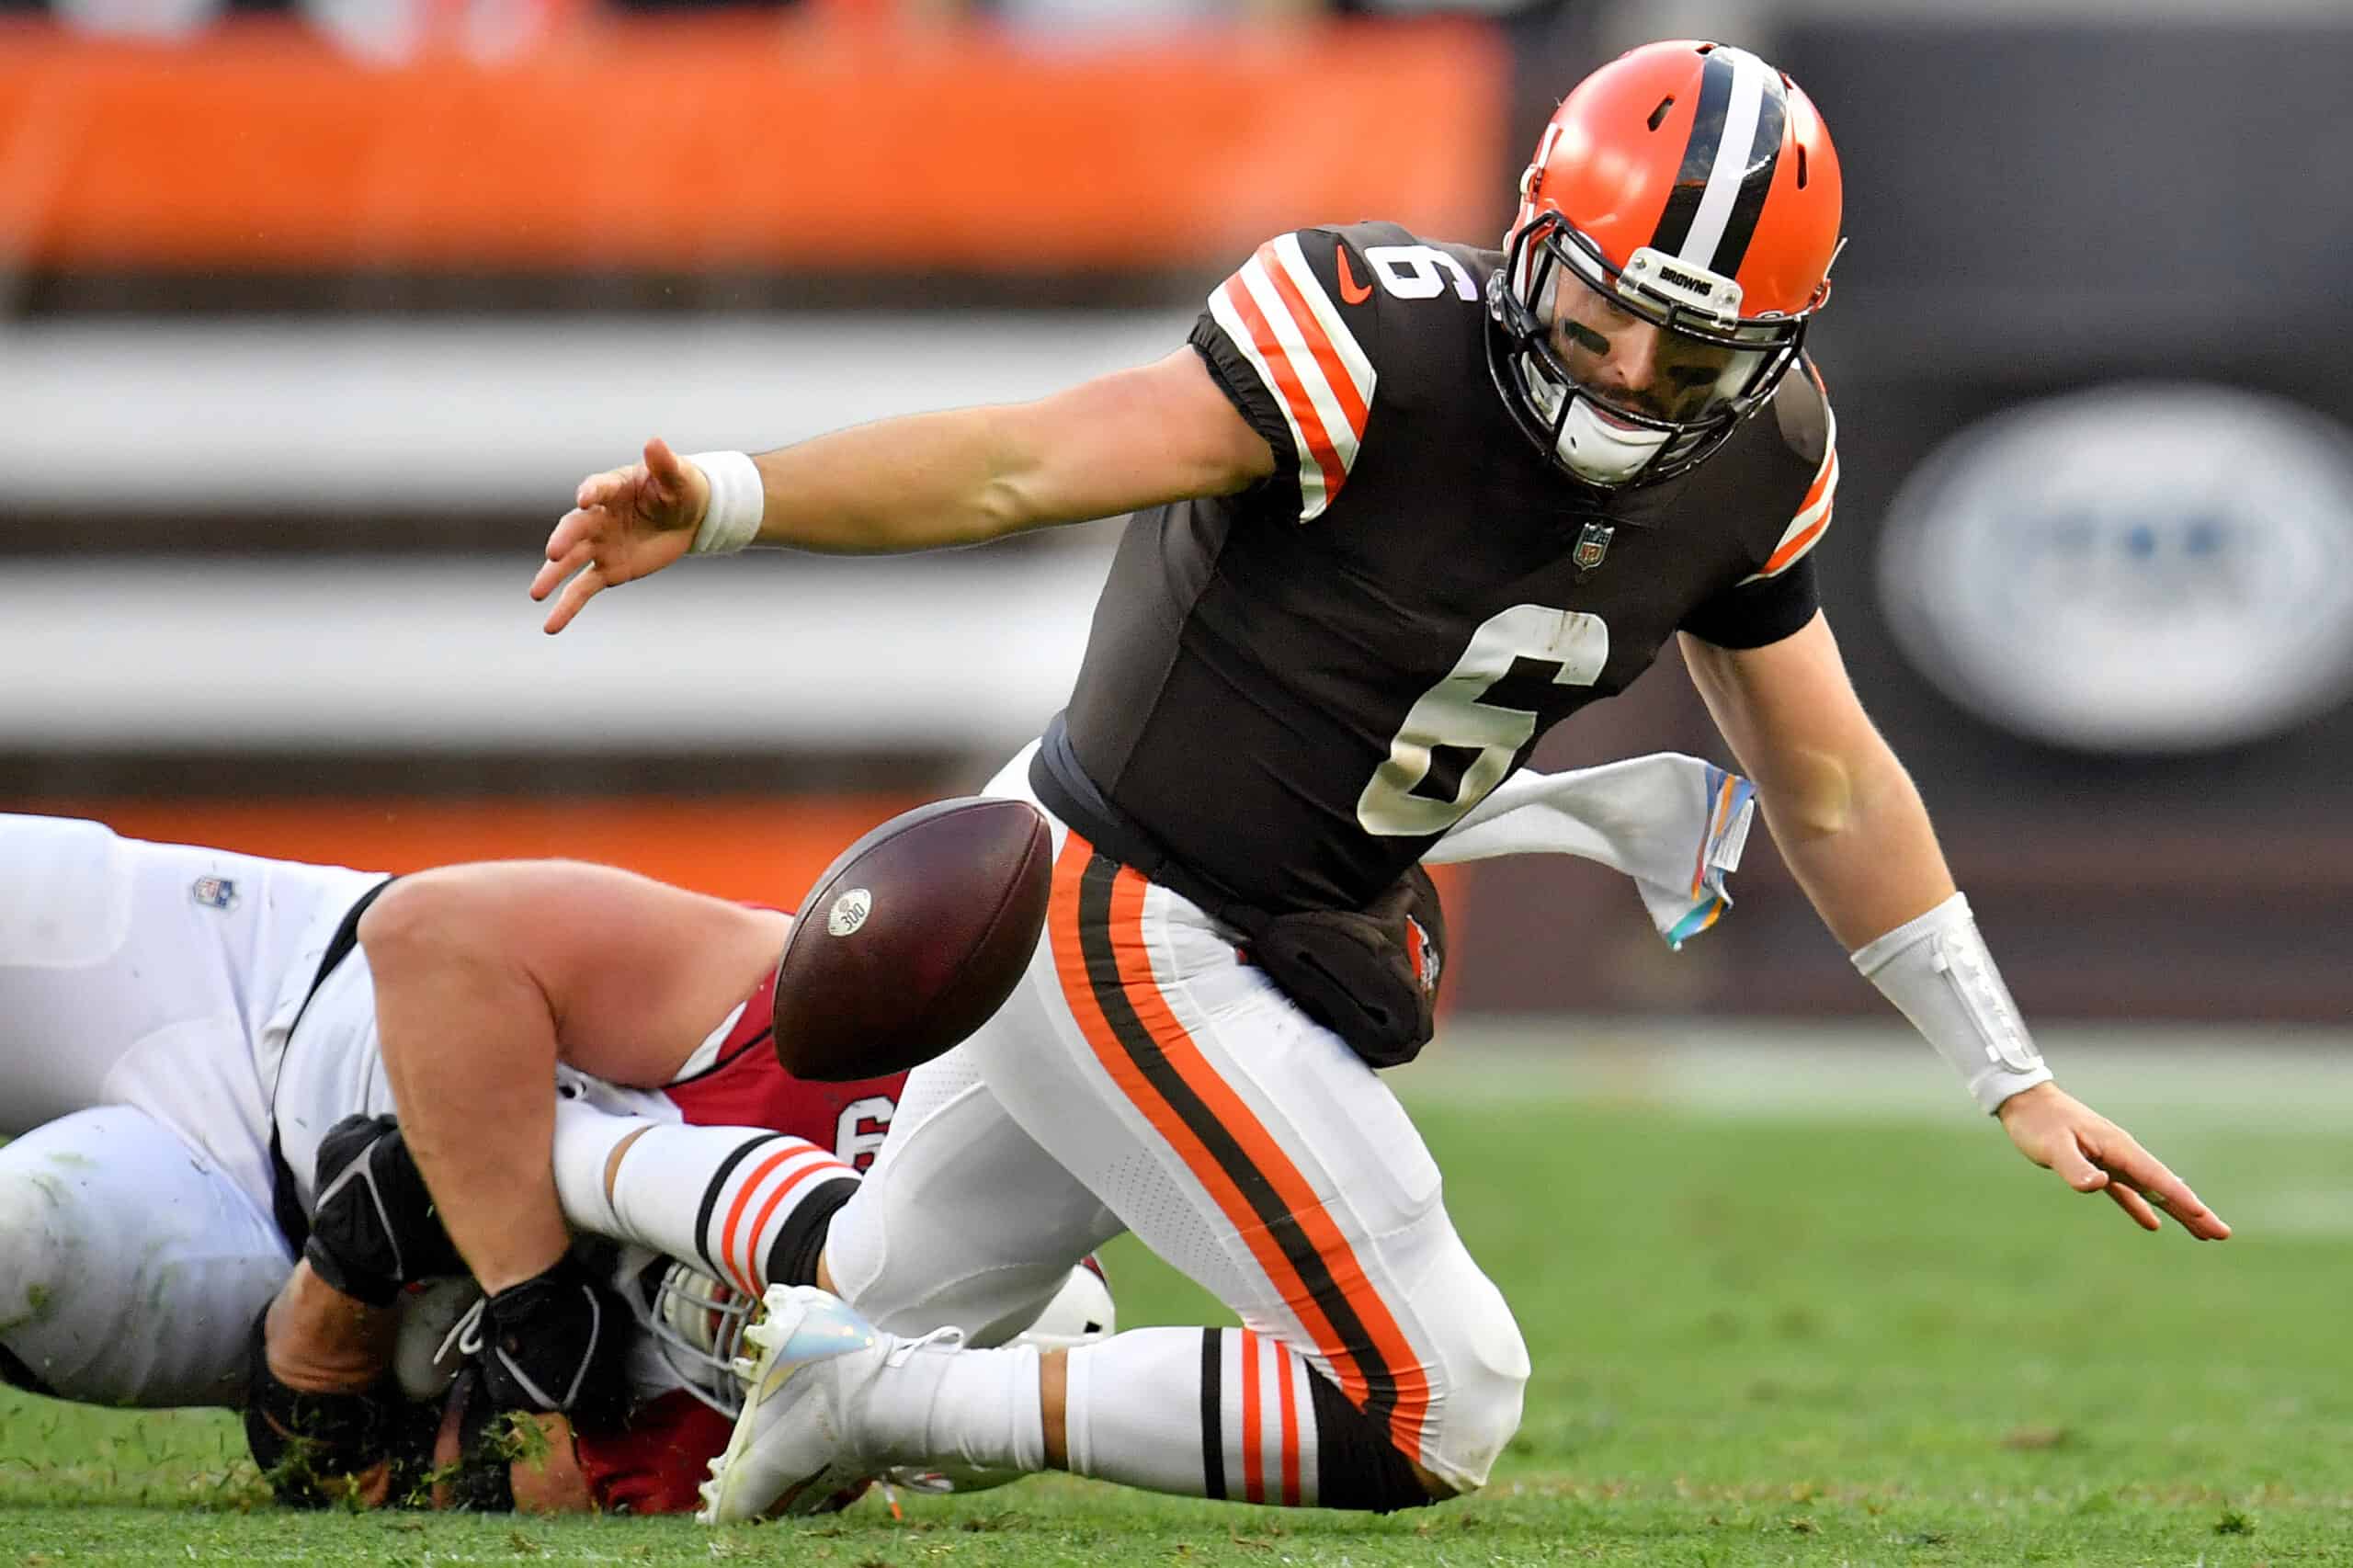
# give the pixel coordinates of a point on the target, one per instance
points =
(1144, 1077)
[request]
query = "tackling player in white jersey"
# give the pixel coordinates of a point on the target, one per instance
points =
(189, 1058)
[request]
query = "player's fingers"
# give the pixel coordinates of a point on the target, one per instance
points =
(603, 489)
(557, 567)
(2148, 1175)
(2075, 1168)
(577, 593)
(574, 530)
(663, 463)
(2134, 1204)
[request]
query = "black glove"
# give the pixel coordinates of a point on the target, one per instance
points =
(557, 1342)
(374, 1229)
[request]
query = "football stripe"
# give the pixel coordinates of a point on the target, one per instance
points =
(1314, 413)
(1296, 1434)
(1080, 920)
(1729, 170)
(1330, 391)
(1254, 1468)
(1324, 411)
(1805, 529)
(1756, 179)
(718, 1185)
(1212, 1416)
(1395, 1389)
(1233, 308)
(789, 1166)
(1105, 967)
(753, 1269)
(1290, 263)
(726, 1259)
(1803, 533)
(1288, 1366)
(1698, 154)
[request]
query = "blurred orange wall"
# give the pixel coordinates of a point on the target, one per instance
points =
(739, 140)
(763, 850)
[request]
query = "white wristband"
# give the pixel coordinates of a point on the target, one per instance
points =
(1937, 970)
(731, 519)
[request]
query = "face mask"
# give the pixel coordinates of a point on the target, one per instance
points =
(1603, 452)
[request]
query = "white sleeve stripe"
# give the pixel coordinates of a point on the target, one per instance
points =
(1326, 403)
(1313, 494)
(1344, 342)
(1805, 529)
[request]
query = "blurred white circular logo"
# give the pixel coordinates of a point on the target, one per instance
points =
(2139, 568)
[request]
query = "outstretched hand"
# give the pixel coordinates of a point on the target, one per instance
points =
(625, 523)
(2091, 1153)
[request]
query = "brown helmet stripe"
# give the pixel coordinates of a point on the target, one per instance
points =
(1720, 192)
(1698, 154)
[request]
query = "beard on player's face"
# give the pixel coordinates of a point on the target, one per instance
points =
(1632, 364)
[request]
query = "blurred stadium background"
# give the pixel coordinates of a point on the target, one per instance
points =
(311, 311)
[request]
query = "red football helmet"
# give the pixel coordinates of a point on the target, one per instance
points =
(1676, 230)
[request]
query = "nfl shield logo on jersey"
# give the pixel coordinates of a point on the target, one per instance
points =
(213, 893)
(1593, 544)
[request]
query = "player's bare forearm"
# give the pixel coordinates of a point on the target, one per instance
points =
(924, 481)
(320, 1340)
(1121, 442)
(1855, 834)
(1842, 811)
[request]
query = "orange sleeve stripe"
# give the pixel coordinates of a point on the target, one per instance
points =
(1287, 385)
(1821, 477)
(1794, 548)
(1318, 341)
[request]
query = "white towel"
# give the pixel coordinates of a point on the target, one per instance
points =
(1674, 823)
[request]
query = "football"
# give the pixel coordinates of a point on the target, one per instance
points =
(912, 938)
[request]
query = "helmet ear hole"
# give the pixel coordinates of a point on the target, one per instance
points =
(1658, 115)
(1800, 165)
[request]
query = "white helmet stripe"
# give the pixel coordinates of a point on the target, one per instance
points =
(1731, 167)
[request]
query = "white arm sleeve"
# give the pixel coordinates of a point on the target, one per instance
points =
(1937, 970)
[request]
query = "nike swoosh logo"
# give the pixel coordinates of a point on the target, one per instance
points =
(1354, 292)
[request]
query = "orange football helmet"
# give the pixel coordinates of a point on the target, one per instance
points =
(1675, 235)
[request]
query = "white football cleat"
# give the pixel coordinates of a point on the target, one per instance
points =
(790, 1453)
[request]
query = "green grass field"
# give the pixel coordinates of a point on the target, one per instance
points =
(1839, 1341)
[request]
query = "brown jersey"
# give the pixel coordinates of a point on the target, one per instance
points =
(1297, 689)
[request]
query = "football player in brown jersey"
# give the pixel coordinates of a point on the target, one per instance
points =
(1399, 507)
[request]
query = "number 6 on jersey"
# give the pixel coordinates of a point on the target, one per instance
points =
(1452, 714)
